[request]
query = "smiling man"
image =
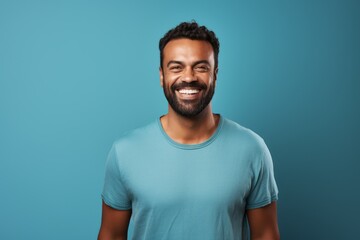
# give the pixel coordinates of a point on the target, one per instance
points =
(191, 174)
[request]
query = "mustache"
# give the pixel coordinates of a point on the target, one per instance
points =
(197, 85)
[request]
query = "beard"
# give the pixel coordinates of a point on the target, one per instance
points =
(189, 108)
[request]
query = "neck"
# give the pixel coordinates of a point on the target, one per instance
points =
(192, 130)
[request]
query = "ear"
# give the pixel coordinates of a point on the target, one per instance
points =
(161, 73)
(216, 73)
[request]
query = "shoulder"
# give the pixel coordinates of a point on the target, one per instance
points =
(249, 145)
(138, 136)
(239, 134)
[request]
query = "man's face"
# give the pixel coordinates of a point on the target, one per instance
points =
(188, 75)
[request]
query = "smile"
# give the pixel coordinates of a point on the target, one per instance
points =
(189, 91)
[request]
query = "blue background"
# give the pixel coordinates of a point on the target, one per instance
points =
(75, 74)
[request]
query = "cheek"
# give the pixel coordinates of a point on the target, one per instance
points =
(169, 79)
(208, 78)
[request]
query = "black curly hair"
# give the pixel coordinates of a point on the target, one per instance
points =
(193, 31)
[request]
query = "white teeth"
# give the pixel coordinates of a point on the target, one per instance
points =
(188, 91)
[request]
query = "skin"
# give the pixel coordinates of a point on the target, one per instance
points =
(263, 223)
(114, 223)
(189, 61)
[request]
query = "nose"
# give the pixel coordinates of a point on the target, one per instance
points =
(189, 75)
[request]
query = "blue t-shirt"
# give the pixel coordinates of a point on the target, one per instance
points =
(189, 191)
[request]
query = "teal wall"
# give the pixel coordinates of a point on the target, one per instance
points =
(75, 74)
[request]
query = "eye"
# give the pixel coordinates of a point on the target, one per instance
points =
(175, 68)
(202, 68)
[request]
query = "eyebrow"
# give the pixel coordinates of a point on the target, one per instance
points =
(181, 63)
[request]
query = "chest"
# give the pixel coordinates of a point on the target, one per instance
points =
(189, 178)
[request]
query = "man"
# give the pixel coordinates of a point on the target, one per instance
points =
(191, 174)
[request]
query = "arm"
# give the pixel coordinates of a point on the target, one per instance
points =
(263, 223)
(114, 223)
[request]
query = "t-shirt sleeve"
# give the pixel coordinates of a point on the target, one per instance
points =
(263, 188)
(114, 192)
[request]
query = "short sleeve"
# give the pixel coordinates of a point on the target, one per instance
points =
(114, 192)
(263, 189)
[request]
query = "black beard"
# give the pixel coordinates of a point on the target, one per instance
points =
(188, 108)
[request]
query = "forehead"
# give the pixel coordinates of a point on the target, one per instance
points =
(188, 50)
